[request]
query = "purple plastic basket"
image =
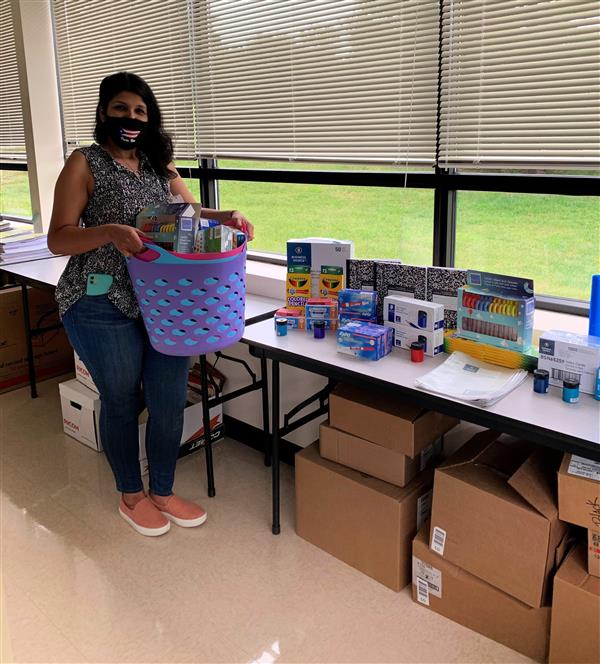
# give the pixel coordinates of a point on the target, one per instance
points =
(192, 304)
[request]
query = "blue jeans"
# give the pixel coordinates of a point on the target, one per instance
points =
(117, 353)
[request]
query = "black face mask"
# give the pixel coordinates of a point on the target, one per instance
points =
(125, 132)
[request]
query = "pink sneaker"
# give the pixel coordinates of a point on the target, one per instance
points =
(181, 512)
(145, 518)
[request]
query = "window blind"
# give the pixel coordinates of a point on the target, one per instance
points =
(317, 80)
(150, 38)
(12, 135)
(520, 84)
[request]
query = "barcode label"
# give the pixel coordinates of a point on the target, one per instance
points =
(584, 468)
(438, 540)
(423, 592)
(559, 374)
(426, 572)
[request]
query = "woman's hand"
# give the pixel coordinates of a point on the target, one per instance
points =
(239, 221)
(126, 239)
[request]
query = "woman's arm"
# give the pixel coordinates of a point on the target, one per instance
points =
(71, 194)
(232, 218)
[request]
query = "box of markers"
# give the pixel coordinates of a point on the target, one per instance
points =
(497, 310)
(357, 305)
(367, 341)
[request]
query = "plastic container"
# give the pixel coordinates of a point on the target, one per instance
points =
(570, 392)
(541, 381)
(191, 304)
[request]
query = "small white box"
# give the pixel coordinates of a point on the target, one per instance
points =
(81, 413)
(81, 420)
(405, 335)
(408, 311)
(566, 355)
(83, 375)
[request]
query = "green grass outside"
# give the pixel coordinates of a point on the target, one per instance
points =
(554, 240)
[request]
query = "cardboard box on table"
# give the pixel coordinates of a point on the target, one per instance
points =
(579, 501)
(81, 420)
(575, 631)
(385, 420)
(372, 459)
(52, 352)
(495, 515)
(367, 523)
(454, 593)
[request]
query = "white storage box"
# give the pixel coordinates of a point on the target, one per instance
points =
(81, 418)
(81, 413)
(82, 374)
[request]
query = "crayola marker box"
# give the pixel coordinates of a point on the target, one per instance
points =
(331, 281)
(297, 286)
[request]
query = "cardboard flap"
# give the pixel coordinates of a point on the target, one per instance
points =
(472, 448)
(535, 481)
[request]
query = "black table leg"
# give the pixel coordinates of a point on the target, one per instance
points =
(265, 408)
(29, 342)
(276, 528)
(206, 424)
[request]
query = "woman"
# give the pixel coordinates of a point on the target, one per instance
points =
(105, 186)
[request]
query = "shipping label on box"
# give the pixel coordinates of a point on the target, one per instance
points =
(581, 467)
(569, 356)
(594, 552)
(431, 576)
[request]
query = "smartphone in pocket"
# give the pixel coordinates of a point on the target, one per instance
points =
(98, 284)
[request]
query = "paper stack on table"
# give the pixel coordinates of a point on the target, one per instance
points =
(467, 379)
(18, 245)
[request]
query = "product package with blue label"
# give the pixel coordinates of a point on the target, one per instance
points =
(410, 312)
(365, 340)
(405, 335)
(357, 305)
(497, 310)
(324, 309)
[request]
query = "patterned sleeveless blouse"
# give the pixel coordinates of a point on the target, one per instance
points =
(118, 196)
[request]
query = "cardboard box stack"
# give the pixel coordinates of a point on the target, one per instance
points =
(80, 403)
(495, 541)
(51, 350)
(575, 635)
(364, 490)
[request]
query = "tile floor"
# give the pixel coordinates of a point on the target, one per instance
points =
(77, 585)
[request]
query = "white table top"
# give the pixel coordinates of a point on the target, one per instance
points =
(547, 412)
(45, 271)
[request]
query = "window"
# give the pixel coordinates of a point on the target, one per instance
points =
(555, 240)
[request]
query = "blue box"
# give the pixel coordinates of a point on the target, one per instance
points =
(364, 340)
(497, 310)
(353, 304)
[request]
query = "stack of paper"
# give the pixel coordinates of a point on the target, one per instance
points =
(19, 244)
(467, 379)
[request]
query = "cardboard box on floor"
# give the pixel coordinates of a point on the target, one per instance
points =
(385, 420)
(52, 352)
(495, 515)
(575, 632)
(450, 591)
(579, 501)
(363, 521)
(81, 420)
(372, 459)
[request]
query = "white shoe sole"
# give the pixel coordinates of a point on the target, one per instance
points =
(148, 532)
(186, 523)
